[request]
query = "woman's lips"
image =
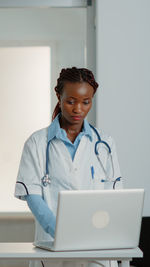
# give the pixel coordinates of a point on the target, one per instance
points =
(76, 118)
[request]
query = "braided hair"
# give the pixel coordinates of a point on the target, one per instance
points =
(73, 75)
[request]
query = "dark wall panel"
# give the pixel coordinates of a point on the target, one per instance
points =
(144, 244)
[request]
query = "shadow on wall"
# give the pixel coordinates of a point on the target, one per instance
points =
(16, 230)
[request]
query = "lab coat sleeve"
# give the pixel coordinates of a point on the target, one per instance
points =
(117, 173)
(29, 174)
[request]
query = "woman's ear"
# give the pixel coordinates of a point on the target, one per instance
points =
(58, 96)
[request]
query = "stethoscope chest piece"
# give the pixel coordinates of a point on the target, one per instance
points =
(46, 180)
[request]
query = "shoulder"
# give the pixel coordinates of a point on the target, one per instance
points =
(37, 137)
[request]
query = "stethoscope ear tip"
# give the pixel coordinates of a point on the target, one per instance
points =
(118, 179)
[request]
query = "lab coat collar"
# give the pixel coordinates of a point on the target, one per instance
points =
(54, 130)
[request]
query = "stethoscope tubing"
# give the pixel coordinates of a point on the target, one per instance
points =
(46, 177)
(47, 158)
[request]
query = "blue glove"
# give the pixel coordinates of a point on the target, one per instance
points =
(42, 213)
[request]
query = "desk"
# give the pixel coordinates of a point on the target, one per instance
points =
(28, 252)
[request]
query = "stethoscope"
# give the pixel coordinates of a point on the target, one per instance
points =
(100, 141)
(46, 179)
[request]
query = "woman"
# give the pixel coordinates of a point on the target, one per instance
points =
(71, 141)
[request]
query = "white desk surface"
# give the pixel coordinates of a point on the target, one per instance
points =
(28, 251)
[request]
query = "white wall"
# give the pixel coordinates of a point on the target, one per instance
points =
(63, 28)
(91, 53)
(123, 71)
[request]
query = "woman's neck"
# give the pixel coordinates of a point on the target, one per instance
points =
(72, 130)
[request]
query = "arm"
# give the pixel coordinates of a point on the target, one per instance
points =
(29, 173)
(42, 213)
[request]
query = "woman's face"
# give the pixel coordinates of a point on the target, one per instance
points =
(75, 101)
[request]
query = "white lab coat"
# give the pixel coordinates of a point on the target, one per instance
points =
(65, 174)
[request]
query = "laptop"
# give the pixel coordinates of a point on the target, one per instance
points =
(97, 219)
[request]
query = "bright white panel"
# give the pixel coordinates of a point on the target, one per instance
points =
(24, 108)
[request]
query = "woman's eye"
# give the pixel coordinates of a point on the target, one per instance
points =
(86, 102)
(70, 102)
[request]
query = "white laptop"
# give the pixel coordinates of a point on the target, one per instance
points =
(97, 219)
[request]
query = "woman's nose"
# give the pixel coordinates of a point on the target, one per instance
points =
(77, 108)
